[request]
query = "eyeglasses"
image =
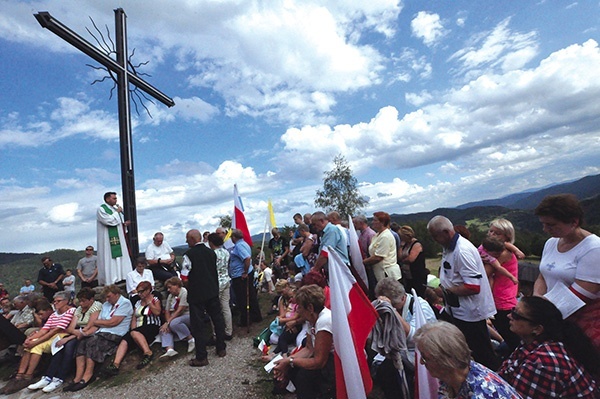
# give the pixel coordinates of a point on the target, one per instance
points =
(58, 300)
(89, 249)
(516, 316)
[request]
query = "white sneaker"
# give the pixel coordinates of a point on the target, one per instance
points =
(168, 354)
(40, 384)
(55, 384)
(191, 345)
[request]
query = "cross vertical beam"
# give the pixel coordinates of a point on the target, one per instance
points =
(125, 139)
(124, 77)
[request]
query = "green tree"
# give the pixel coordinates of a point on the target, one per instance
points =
(225, 221)
(339, 191)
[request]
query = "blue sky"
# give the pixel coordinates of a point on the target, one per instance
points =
(433, 103)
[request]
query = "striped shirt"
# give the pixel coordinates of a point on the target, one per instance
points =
(61, 321)
(144, 315)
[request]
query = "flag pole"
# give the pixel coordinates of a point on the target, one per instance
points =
(262, 246)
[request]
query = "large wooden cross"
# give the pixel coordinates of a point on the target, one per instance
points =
(124, 76)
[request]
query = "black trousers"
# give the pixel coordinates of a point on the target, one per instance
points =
(315, 384)
(478, 339)
(213, 309)
(244, 290)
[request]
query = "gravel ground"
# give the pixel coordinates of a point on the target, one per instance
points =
(239, 375)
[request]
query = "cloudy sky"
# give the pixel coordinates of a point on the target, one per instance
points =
(434, 103)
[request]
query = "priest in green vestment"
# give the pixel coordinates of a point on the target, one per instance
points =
(113, 256)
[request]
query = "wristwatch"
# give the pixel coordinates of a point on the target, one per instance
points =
(291, 362)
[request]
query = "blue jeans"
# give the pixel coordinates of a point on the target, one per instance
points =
(63, 361)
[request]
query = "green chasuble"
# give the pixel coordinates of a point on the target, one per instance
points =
(113, 236)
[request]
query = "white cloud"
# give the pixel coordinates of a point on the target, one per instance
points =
(428, 27)
(500, 48)
(64, 213)
(466, 126)
(418, 99)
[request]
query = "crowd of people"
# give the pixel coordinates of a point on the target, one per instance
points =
(481, 338)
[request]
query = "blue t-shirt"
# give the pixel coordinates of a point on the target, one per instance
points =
(332, 237)
(123, 307)
(240, 252)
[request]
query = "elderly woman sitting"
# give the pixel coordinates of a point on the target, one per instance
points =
(311, 368)
(391, 291)
(145, 325)
(62, 363)
(177, 319)
(447, 357)
(40, 342)
(95, 346)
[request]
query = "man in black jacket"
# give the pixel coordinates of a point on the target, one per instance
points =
(203, 294)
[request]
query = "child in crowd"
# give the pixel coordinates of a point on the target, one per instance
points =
(504, 231)
(284, 328)
(27, 288)
(69, 284)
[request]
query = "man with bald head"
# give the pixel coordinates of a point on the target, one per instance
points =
(203, 295)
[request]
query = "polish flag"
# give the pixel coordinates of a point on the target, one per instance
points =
(355, 254)
(426, 387)
(239, 220)
(352, 317)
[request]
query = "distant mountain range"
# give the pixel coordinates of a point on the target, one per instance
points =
(585, 188)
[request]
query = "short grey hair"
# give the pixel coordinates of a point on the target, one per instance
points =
(237, 233)
(21, 298)
(392, 289)
(440, 223)
(62, 295)
(445, 344)
(360, 219)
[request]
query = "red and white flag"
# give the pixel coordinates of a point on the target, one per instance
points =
(239, 220)
(355, 254)
(426, 387)
(352, 317)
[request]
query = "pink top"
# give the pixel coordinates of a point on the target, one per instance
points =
(59, 320)
(504, 290)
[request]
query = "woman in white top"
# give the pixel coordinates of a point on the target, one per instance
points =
(569, 265)
(311, 369)
(383, 252)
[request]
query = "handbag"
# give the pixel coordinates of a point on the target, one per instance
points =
(275, 327)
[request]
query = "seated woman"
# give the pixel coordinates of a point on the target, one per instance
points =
(40, 342)
(62, 361)
(177, 319)
(102, 340)
(145, 325)
(391, 291)
(555, 359)
(447, 357)
(311, 369)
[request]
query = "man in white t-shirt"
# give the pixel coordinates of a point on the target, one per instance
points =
(160, 258)
(466, 289)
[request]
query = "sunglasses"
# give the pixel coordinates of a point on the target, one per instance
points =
(516, 316)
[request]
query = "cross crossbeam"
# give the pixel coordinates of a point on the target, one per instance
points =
(120, 67)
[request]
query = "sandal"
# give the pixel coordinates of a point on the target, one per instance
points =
(145, 361)
(111, 370)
